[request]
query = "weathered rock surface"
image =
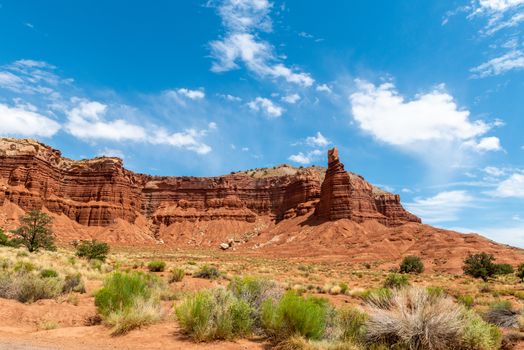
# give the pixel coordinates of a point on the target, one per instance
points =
(98, 191)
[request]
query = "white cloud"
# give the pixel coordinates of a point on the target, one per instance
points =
(86, 121)
(429, 125)
(231, 98)
(266, 105)
(494, 171)
(242, 19)
(305, 158)
(318, 140)
(188, 139)
(292, 99)
(24, 120)
(443, 207)
(192, 94)
(323, 88)
(499, 65)
(512, 187)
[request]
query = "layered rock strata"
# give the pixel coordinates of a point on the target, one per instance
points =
(98, 191)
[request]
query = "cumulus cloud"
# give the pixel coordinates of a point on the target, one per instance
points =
(191, 94)
(271, 109)
(111, 152)
(305, 158)
(487, 144)
(512, 187)
(291, 99)
(24, 120)
(323, 88)
(318, 140)
(242, 19)
(443, 207)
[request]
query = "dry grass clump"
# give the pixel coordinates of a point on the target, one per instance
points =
(501, 313)
(416, 319)
(29, 287)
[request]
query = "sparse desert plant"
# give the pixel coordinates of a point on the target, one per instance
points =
(520, 271)
(207, 271)
(411, 264)
(478, 334)
(343, 287)
(480, 266)
(92, 250)
(35, 231)
(503, 269)
(156, 266)
(23, 266)
(295, 315)
(350, 323)
(127, 301)
(435, 291)
(74, 283)
(415, 320)
(176, 275)
(501, 314)
(395, 280)
(5, 241)
(27, 287)
(214, 314)
(48, 273)
(467, 300)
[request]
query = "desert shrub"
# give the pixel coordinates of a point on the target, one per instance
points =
(297, 342)
(467, 300)
(351, 324)
(92, 250)
(479, 335)
(503, 269)
(411, 264)
(74, 283)
(23, 266)
(395, 280)
(156, 266)
(501, 314)
(127, 301)
(416, 320)
(207, 271)
(520, 271)
(480, 266)
(35, 231)
(343, 287)
(377, 296)
(26, 287)
(48, 273)
(214, 314)
(435, 291)
(96, 264)
(294, 315)
(5, 241)
(176, 275)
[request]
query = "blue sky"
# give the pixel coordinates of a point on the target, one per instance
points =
(423, 98)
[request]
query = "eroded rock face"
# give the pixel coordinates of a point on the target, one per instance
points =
(98, 191)
(348, 196)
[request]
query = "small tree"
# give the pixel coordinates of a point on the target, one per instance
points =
(520, 271)
(411, 264)
(92, 250)
(5, 241)
(35, 231)
(480, 266)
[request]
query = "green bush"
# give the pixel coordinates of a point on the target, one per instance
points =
(74, 283)
(343, 287)
(503, 269)
(478, 334)
(295, 315)
(176, 275)
(467, 300)
(480, 266)
(5, 241)
(92, 250)
(207, 271)
(128, 300)
(35, 231)
(411, 264)
(156, 266)
(48, 273)
(395, 280)
(520, 271)
(214, 314)
(26, 287)
(23, 266)
(351, 324)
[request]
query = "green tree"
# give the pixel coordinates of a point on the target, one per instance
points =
(520, 271)
(92, 250)
(411, 264)
(35, 231)
(480, 266)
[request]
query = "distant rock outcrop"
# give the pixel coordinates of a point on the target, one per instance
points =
(98, 191)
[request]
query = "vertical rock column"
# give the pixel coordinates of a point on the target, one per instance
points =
(335, 201)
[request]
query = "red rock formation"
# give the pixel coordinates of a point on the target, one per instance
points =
(99, 191)
(348, 196)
